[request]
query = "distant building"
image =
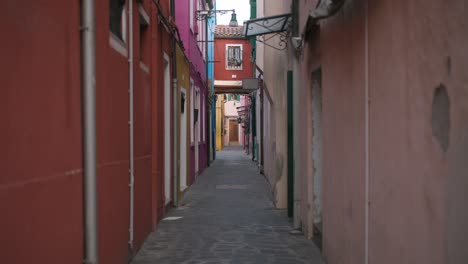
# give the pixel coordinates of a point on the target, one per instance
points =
(233, 64)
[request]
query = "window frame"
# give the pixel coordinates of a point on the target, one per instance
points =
(122, 35)
(234, 68)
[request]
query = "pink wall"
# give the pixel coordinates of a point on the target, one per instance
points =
(417, 190)
(188, 36)
(197, 73)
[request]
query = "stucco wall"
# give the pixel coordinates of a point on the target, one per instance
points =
(276, 64)
(43, 156)
(410, 193)
(41, 139)
(416, 189)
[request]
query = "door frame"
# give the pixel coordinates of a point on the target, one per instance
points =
(183, 143)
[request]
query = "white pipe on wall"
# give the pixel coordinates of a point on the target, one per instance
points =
(176, 103)
(88, 64)
(130, 122)
(366, 107)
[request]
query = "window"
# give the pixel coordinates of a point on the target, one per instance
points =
(144, 38)
(233, 97)
(117, 19)
(234, 57)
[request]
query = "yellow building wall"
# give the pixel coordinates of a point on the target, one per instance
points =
(183, 81)
(219, 123)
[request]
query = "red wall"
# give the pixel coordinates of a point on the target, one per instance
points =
(160, 44)
(41, 188)
(112, 80)
(220, 72)
(41, 160)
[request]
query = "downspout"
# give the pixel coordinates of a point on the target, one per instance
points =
(366, 107)
(130, 124)
(175, 102)
(88, 49)
(207, 104)
(213, 102)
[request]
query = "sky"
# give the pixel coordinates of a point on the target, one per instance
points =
(242, 8)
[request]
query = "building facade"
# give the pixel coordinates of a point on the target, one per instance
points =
(378, 99)
(193, 35)
(141, 71)
(234, 63)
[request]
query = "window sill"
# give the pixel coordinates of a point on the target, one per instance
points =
(118, 45)
(144, 68)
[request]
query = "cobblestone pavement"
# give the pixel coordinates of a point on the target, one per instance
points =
(227, 217)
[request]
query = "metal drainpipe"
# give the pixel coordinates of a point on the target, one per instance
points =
(88, 45)
(207, 125)
(130, 123)
(366, 107)
(176, 143)
(175, 121)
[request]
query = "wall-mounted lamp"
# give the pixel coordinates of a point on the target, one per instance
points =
(233, 22)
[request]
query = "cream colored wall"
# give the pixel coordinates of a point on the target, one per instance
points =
(275, 70)
(303, 66)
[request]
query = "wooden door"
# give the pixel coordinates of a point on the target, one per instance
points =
(233, 131)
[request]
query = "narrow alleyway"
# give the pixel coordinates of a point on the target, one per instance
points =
(227, 217)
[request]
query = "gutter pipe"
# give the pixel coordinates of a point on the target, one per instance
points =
(208, 89)
(366, 107)
(176, 105)
(130, 125)
(88, 57)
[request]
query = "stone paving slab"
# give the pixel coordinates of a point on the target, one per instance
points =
(234, 224)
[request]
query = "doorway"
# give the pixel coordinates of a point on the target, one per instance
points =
(183, 140)
(233, 132)
(197, 130)
(167, 130)
(317, 154)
